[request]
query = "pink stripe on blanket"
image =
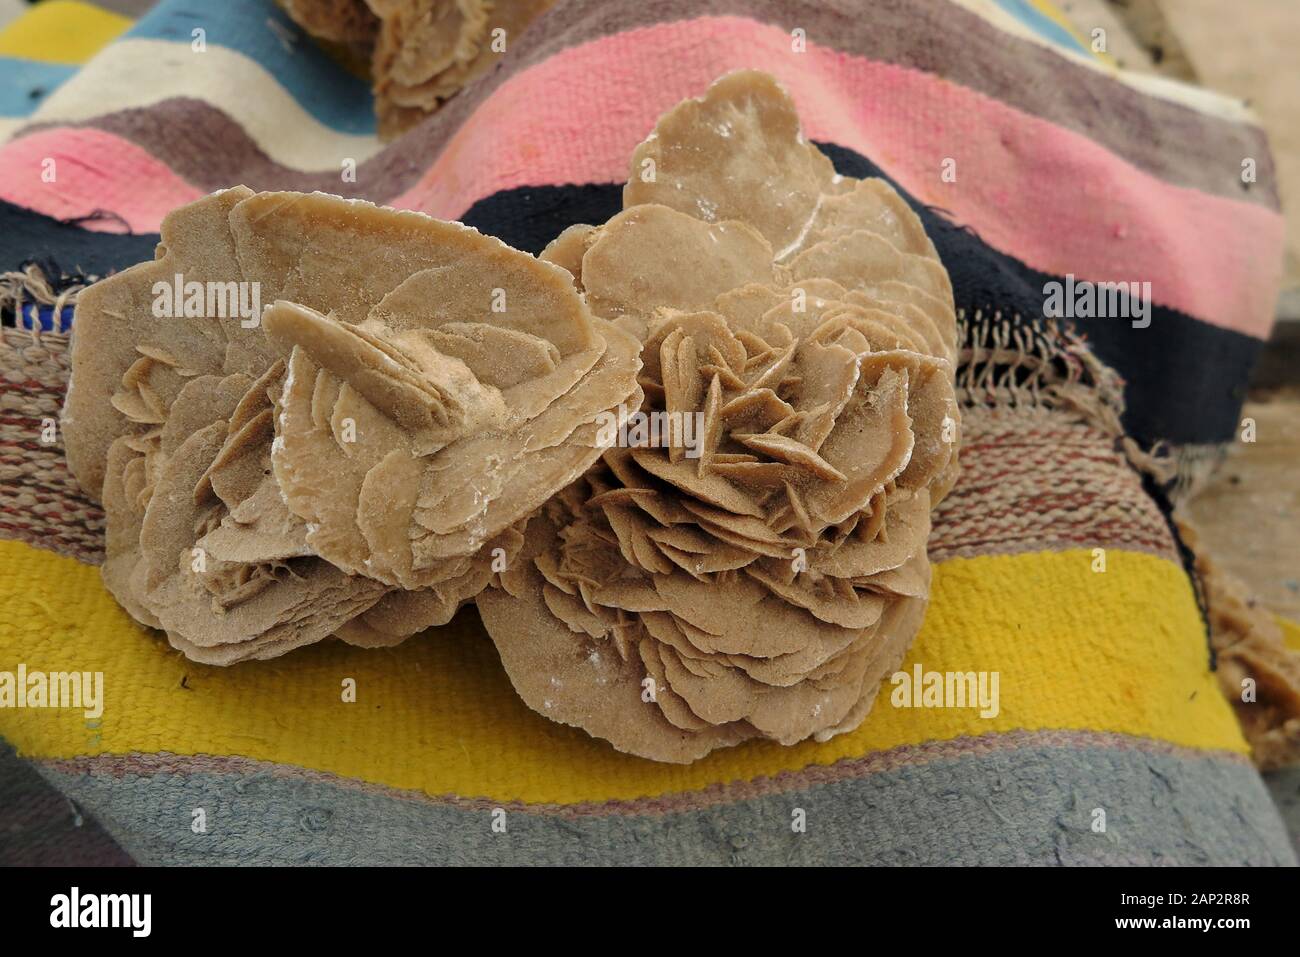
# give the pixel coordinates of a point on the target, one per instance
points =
(1045, 195)
(68, 173)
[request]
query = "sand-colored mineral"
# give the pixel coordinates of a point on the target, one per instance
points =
(419, 53)
(690, 454)
(760, 568)
(355, 458)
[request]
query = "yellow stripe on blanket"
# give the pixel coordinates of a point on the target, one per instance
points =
(62, 31)
(1120, 651)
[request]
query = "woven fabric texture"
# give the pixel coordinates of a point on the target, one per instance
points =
(1065, 169)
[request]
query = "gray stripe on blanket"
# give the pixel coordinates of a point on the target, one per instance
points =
(1035, 805)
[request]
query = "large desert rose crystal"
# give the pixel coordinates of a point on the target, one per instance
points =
(756, 573)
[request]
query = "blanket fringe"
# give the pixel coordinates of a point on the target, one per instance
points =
(1250, 645)
(32, 285)
(1006, 361)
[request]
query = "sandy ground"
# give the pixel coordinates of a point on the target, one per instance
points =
(1249, 514)
(1249, 48)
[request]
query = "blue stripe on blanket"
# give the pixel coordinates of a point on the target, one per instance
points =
(261, 31)
(27, 83)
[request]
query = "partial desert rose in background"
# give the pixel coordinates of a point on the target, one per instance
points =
(417, 53)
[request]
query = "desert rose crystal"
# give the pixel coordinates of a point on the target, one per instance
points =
(352, 461)
(761, 587)
(684, 461)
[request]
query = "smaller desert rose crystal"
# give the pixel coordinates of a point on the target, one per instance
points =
(418, 53)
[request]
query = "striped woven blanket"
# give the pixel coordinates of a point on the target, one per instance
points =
(1046, 178)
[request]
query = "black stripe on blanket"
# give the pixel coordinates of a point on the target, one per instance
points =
(66, 249)
(1185, 378)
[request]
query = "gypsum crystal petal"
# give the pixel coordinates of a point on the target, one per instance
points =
(420, 38)
(279, 641)
(932, 407)
(131, 474)
(310, 600)
(342, 257)
(799, 312)
(417, 63)
(918, 321)
(736, 153)
(787, 714)
(389, 503)
(881, 330)
(258, 530)
(567, 249)
(654, 658)
(859, 258)
(871, 445)
(939, 311)
(559, 445)
(433, 398)
(583, 683)
(401, 614)
(812, 662)
(505, 21)
(648, 257)
(906, 524)
(873, 205)
(497, 356)
(844, 607)
(124, 516)
(909, 580)
(417, 53)
(491, 285)
(747, 621)
(902, 621)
